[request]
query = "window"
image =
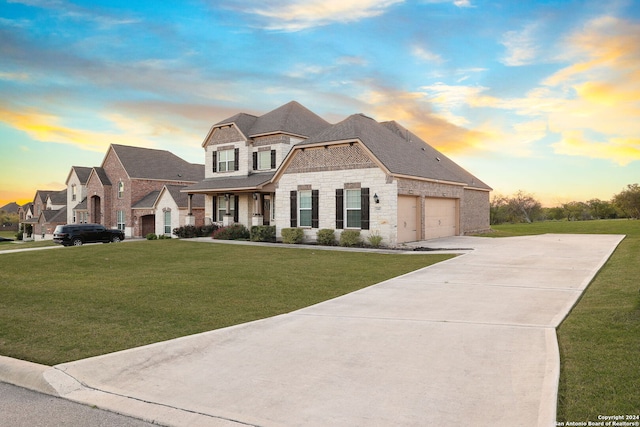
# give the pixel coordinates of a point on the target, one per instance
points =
(121, 223)
(304, 208)
(264, 160)
(353, 208)
(167, 222)
(73, 193)
(120, 189)
(222, 207)
(226, 160)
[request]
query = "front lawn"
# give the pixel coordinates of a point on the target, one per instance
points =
(72, 303)
(600, 340)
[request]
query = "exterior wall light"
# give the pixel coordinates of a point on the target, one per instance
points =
(376, 199)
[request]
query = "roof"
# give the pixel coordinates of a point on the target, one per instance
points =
(148, 201)
(55, 216)
(232, 183)
(10, 207)
(291, 118)
(147, 163)
(82, 172)
(182, 199)
(400, 151)
(82, 206)
(243, 122)
(102, 176)
(58, 197)
(43, 194)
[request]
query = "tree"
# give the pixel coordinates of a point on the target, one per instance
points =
(628, 201)
(601, 209)
(576, 211)
(523, 207)
(497, 210)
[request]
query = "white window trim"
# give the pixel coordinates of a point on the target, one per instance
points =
(309, 194)
(347, 209)
(229, 164)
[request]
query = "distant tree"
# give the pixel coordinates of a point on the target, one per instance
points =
(601, 209)
(555, 213)
(576, 211)
(498, 209)
(628, 201)
(523, 207)
(8, 219)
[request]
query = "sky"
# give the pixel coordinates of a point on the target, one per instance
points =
(538, 96)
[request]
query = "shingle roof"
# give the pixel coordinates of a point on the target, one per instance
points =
(59, 197)
(399, 150)
(243, 121)
(10, 207)
(182, 199)
(291, 118)
(82, 206)
(59, 215)
(250, 182)
(146, 163)
(82, 173)
(102, 176)
(147, 201)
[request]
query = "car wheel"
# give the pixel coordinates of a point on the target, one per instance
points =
(77, 242)
(115, 239)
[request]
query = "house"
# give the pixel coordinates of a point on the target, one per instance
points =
(291, 168)
(242, 154)
(172, 207)
(40, 218)
(127, 175)
(77, 212)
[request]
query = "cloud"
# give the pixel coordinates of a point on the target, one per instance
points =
(522, 48)
(622, 151)
(424, 54)
(296, 15)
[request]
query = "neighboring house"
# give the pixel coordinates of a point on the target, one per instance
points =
(358, 174)
(48, 220)
(128, 175)
(41, 217)
(77, 212)
(10, 208)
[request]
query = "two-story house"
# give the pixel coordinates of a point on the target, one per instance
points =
(291, 168)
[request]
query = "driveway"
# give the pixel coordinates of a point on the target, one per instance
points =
(469, 341)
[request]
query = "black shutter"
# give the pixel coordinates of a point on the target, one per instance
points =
(214, 217)
(236, 159)
(314, 209)
(236, 204)
(364, 208)
(215, 161)
(294, 208)
(255, 160)
(273, 159)
(339, 208)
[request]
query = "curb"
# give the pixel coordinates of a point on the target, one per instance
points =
(26, 375)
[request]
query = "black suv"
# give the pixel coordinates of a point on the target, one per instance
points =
(77, 234)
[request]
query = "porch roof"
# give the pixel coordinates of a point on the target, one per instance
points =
(254, 181)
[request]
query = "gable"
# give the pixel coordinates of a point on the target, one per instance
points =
(146, 163)
(224, 135)
(329, 158)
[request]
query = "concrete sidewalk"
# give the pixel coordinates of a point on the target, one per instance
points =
(470, 341)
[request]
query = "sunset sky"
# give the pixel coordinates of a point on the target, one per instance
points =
(540, 96)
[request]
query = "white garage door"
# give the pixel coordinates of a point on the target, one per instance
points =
(407, 219)
(440, 218)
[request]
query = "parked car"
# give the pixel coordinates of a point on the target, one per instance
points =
(77, 234)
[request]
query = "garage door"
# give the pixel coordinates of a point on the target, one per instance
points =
(440, 218)
(407, 219)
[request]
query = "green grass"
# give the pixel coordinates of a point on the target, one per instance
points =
(4, 246)
(600, 340)
(72, 303)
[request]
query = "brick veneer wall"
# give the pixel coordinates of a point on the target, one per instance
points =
(474, 211)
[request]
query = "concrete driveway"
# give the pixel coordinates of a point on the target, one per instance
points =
(470, 341)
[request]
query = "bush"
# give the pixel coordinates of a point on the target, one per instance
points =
(292, 235)
(326, 237)
(375, 240)
(19, 235)
(263, 233)
(350, 238)
(190, 231)
(151, 236)
(164, 236)
(232, 232)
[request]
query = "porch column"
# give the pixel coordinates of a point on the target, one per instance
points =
(257, 218)
(228, 218)
(190, 198)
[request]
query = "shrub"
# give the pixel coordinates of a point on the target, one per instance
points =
(292, 235)
(375, 240)
(151, 236)
(350, 238)
(327, 237)
(190, 231)
(20, 235)
(263, 233)
(232, 232)
(164, 236)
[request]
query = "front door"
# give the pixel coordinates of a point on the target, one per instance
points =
(266, 209)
